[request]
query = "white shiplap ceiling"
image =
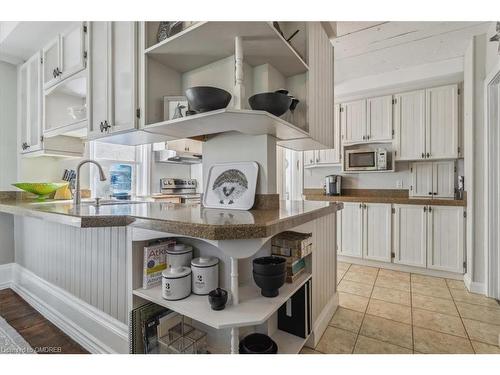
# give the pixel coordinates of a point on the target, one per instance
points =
(367, 48)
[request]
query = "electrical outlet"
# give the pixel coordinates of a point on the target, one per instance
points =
(399, 184)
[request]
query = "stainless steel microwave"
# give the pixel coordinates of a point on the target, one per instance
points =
(366, 160)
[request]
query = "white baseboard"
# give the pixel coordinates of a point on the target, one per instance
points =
(474, 286)
(321, 323)
(6, 275)
(401, 267)
(94, 330)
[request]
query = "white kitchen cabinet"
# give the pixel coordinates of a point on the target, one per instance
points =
(64, 55)
(409, 121)
(309, 158)
(379, 118)
(441, 122)
(186, 145)
(30, 75)
(351, 224)
(433, 179)
(353, 121)
(112, 77)
(377, 231)
(330, 156)
(410, 235)
(445, 238)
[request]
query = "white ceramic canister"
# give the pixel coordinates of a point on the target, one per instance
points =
(179, 256)
(176, 283)
(205, 274)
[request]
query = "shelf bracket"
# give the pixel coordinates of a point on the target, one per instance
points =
(239, 87)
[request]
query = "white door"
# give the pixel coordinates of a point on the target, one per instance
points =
(309, 158)
(379, 118)
(409, 235)
(123, 76)
(51, 62)
(99, 72)
(409, 120)
(327, 156)
(23, 107)
(443, 179)
(442, 122)
(352, 227)
(34, 103)
(445, 236)
(353, 120)
(421, 179)
(377, 231)
(72, 51)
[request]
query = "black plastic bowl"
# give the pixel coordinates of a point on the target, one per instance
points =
(206, 98)
(217, 299)
(269, 284)
(275, 103)
(258, 343)
(271, 265)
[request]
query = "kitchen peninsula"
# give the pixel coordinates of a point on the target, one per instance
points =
(102, 261)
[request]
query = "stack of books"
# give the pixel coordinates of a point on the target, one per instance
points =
(294, 247)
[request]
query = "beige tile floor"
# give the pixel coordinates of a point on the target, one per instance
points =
(388, 312)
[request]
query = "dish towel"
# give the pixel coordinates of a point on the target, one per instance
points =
(12, 342)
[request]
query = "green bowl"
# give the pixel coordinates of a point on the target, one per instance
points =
(41, 189)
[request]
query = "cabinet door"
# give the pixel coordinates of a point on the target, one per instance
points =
(34, 103)
(409, 235)
(123, 76)
(351, 218)
(23, 107)
(421, 179)
(99, 92)
(377, 231)
(445, 236)
(309, 158)
(353, 120)
(327, 156)
(72, 51)
(409, 113)
(379, 118)
(51, 62)
(443, 179)
(442, 122)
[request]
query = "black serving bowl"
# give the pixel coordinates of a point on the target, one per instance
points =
(275, 103)
(271, 265)
(269, 284)
(258, 343)
(217, 299)
(206, 98)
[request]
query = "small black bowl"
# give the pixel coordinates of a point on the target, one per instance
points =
(207, 98)
(258, 343)
(275, 103)
(217, 299)
(269, 284)
(271, 265)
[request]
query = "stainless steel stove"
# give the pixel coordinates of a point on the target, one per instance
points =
(183, 188)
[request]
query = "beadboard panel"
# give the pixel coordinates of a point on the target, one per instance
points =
(89, 263)
(324, 263)
(320, 92)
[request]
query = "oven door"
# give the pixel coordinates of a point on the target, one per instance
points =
(357, 160)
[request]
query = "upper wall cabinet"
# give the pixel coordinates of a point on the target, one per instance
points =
(427, 124)
(353, 120)
(64, 55)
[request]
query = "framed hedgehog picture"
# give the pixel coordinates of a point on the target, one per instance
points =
(231, 185)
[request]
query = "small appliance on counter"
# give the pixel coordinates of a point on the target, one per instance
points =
(333, 184)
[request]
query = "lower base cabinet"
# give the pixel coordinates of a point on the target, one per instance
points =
(421, 236)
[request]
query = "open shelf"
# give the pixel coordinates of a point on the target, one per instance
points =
(253, 309)
(206, 42)
(225, 120)
(288, 343)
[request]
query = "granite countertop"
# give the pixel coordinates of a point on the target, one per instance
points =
(379, 196)
(182, 219)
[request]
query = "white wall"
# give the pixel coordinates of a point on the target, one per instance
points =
(8, 153)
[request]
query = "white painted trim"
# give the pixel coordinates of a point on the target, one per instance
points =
(401, 267)
(474, 286)
(321, 323)
(6, 275)
(91, 328)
